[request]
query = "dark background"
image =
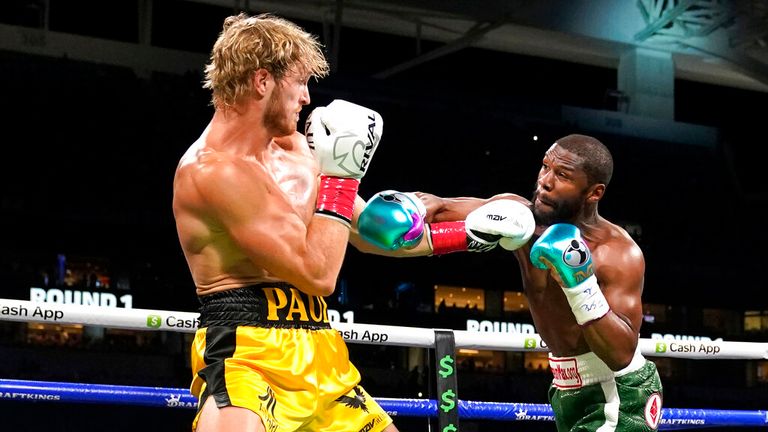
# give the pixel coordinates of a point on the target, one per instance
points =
(89, 152)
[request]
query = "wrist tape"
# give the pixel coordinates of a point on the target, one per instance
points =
(447, 237)
(336, 198)
(587, 301)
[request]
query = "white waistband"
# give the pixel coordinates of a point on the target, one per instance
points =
(585, 369)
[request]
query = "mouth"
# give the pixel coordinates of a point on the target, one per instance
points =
(539, 202)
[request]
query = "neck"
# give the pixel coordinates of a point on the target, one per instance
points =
(239, 130)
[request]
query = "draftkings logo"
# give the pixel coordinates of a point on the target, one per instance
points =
(522, 414)
(174, 401)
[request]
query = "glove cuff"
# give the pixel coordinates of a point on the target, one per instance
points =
(587, 301)
(336, 198)
(447, 237)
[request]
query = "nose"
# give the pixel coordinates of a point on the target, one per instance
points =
(304, 98)
(545, 180)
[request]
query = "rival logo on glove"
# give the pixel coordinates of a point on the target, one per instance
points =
(369, 147)
(341, 145)
(495, 217)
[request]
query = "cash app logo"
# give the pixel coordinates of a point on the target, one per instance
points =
(661, 347)
(529, 343)
(154, 321)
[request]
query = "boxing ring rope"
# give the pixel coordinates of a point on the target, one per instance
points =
(672, 418)
(186, 322)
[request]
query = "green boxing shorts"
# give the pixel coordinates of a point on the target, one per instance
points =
(587, 396)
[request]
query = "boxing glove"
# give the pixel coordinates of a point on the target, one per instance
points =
(484, 228)
(343, 138)
(562, 249)
(392, 220)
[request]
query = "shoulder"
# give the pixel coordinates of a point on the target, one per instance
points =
(216, 173)
(619, 249)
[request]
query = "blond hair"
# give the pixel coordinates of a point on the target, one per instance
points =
(247, 44)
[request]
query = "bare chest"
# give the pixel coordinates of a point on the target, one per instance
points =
(552, 314)
(296, 176)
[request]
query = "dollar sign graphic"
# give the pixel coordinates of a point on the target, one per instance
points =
(446, 365)
(448, 397)
(450, 428)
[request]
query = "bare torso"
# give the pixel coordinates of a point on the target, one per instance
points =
(286, 169)
(619, 267)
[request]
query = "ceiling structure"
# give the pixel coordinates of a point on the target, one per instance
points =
(717, 42)
(713, 41)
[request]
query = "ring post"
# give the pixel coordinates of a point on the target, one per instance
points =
(447, 384)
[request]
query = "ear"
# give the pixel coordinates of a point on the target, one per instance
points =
(596, 193)
(261, 81)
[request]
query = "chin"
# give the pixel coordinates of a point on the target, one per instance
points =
(543, 217)
(285, 130)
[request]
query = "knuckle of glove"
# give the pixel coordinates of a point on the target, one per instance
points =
(417, 203)
(390, 221)
(520, 227)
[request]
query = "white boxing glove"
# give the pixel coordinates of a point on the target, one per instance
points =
(343, 137)
(506, 222)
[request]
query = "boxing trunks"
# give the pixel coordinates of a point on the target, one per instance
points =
(270, 348)
(587, 396)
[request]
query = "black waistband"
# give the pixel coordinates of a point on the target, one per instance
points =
(272, 304)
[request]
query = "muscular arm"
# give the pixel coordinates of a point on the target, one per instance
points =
(614, 337)
(265, 227)
(456, 209)
(437, 210)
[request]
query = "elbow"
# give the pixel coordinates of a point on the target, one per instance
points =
(319, 287)
(620, 359)
(617, 364)
(326, 289)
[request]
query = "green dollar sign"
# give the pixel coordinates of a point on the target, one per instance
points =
(446, 365)
(448, 397)
(450, 428)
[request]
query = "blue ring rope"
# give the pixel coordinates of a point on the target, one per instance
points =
(672, 418)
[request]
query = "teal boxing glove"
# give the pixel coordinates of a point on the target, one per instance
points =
(392, 220)
(562, 249)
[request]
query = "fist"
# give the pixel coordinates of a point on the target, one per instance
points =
(562, 249)
(505, 222)
(343, 137)
(392, 220)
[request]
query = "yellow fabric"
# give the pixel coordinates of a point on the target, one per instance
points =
(291, 377)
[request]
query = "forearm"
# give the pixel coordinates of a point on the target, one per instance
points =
(457, 209)
(612, 339)
(322, 257)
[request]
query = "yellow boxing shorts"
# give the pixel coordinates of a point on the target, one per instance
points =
(270, 348)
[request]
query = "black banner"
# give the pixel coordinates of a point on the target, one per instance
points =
(447, 384)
